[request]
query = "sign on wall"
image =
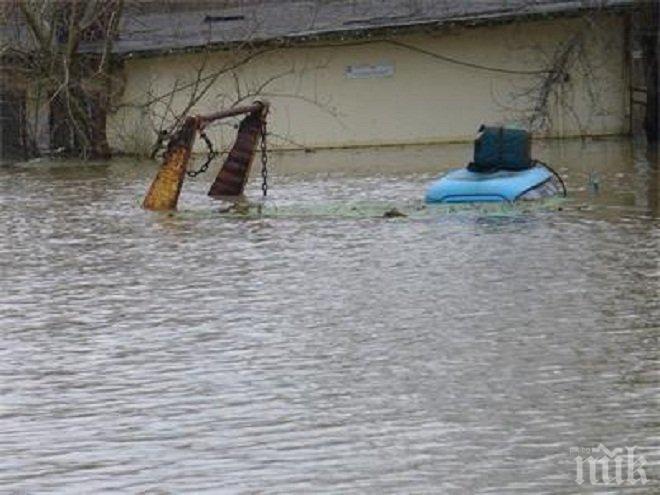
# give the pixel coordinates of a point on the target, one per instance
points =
(370, 71)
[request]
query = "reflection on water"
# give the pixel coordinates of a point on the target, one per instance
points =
(318, 346)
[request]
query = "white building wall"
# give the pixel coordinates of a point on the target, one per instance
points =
(404, 96)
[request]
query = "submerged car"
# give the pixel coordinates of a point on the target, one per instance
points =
(502, 170)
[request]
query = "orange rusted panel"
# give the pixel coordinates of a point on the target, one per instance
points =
(166, 187)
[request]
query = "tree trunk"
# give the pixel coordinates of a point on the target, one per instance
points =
(99, 110)
(81, 132)
(14, 142)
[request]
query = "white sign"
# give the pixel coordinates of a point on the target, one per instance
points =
(369, 71)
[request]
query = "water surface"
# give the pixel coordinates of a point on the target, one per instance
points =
(318, 347)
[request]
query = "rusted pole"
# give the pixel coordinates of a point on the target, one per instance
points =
(163, 194)
(223, 114)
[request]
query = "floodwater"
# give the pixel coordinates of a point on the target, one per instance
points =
(318, 347)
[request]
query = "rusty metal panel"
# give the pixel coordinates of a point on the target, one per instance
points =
(166, 187)
(235, 171)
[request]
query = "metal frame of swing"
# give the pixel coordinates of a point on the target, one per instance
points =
(164, 191)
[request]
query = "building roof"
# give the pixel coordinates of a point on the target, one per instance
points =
(161, 26)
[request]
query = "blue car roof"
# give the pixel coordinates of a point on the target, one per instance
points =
(461, 185)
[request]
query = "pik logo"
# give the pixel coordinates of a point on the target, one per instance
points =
(607, 467)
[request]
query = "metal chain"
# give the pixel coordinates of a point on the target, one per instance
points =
(209, 158)
(264, 159)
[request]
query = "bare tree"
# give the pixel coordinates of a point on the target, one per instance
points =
(228, 84)
(536, 99)
(221, 70)
(74, 86)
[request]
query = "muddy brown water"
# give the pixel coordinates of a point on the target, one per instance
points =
(317, 347)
